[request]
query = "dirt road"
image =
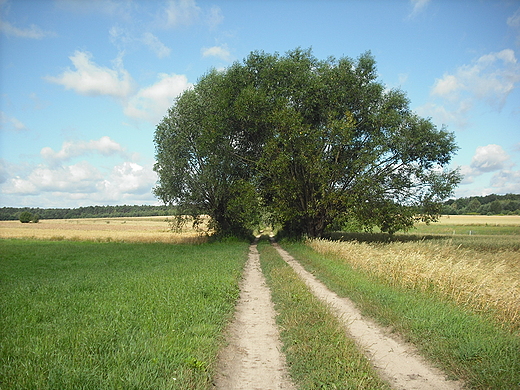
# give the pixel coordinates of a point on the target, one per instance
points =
(253, 358)
(397, 362)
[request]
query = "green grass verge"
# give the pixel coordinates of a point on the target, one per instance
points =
(318, 352)
(77, 315)
(464, 344)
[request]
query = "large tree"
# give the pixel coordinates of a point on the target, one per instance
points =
(320, 143)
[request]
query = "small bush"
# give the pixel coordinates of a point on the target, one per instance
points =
(25, 217)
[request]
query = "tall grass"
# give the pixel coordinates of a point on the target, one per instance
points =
(483, 281)
(78, 315)
(466, 345)
(318, 352)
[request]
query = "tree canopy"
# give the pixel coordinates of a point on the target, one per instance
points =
(317, 143)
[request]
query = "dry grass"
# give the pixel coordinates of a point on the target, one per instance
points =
(137, 229)
(483, 281)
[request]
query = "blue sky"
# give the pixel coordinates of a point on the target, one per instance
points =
(84, 83)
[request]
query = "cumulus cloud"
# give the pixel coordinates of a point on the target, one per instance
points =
(128, 179)
(151, 103)
(80, 177)
(70, 185)
(221, 52)
(506, 182)
(90, 79)
(491, 78)
(488, 80)
(488, 159)
(70, 149)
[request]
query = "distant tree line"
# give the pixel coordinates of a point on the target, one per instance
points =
(14, 213)
(484, 205)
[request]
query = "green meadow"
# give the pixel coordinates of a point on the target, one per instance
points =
(84, 315)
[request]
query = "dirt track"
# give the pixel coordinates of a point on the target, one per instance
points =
(253, 358)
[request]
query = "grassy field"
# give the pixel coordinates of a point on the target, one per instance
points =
(85, 315)
(138, 229)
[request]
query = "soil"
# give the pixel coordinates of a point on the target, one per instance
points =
(253, 359)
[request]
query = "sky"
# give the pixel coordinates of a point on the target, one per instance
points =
(84, 84)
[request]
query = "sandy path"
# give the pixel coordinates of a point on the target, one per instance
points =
(397, 362)
(253, 359)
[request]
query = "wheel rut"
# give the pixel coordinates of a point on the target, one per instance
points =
(252, 358)
(397, 362)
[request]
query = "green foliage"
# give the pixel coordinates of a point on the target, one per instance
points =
(25, 217)
(508, 204)
(12, 213)
(77, 315)
(318, 141)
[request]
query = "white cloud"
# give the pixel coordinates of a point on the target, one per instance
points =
(221, 52)
(11, 123)
(181, 13)
(514, 20)
(418, 7)
(456, 114)
(76, 184)
(487, 159)
(70, 149)
(127, 179)
(491, 78)
(151, 103)
(506, 182)
(91, 79)
(32, 32)
(155, 45)
(78, 178)
(488, 80)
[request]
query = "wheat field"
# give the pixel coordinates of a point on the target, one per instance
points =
(135, 229)
(482, 281)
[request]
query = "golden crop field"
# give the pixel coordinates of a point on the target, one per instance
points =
(490, 220)
(480, 271)
(135, 229)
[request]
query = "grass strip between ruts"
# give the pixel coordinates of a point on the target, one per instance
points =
(464, 344)
(318, 352)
